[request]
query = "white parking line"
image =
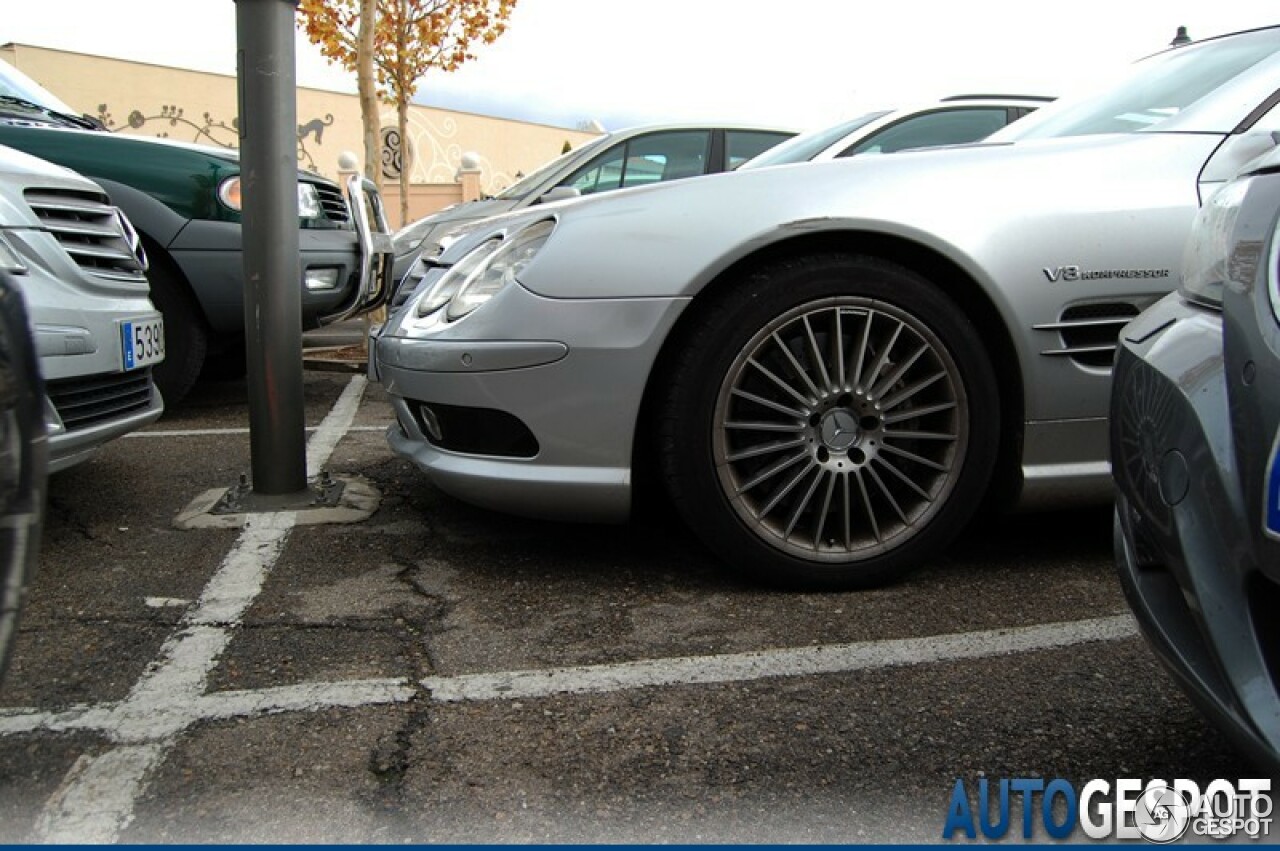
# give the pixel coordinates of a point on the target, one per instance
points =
(96, 799)
(122, 720)
(218, 432)
(804, 661)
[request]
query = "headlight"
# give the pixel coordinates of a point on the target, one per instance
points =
(1206, 258)
(444, 289)
(308, 198)
(484, 271)
(229, 193)
(1273, 272)
(499, 269)
(309, 202)
(9, 259)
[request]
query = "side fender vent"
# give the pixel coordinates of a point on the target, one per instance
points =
(1087, 333)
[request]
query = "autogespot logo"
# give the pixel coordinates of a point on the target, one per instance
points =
(1127, 808)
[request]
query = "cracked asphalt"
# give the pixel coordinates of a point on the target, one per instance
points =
(430, 587)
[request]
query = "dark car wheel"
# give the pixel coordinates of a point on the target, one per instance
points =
(830, 423)
(186, 337)
(23, 461)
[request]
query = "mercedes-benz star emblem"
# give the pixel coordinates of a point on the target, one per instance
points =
(839, 430)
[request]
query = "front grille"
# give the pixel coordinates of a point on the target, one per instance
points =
(85, 402)
(332, 202)
(98, 236)
(1088, 332)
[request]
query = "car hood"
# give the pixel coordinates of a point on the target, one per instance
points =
(15, 163)
(408, 238)
(227, 155)
(974, 205)
(19, 171)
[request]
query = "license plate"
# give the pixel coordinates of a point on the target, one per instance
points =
(142, 341)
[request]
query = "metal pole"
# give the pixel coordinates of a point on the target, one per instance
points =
(272, 300)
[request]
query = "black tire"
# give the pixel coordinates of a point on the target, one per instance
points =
(186, 335)
(812, 465)
(229, 362)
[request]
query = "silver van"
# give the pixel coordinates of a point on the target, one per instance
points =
(82, 271)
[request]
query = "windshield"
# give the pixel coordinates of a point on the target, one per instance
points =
(1153, 91)
(525, 185)
(14, 83)
(806, 146)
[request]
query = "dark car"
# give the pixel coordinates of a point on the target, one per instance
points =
(1195, 439)
(23, 458)
(184, 201)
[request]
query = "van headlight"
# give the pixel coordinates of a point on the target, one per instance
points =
(484, 272)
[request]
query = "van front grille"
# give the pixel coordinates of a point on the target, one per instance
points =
(98, 236)
(88, 401)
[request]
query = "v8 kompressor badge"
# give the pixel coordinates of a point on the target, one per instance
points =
(1075, 273)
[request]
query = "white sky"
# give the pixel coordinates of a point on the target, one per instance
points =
(797, 63)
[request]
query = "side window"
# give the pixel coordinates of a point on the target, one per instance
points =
(949, 127)
(643, 160)
(667, 156)
(742, 145)
(601, 174)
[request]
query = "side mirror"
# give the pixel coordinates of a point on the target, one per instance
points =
(559, 193)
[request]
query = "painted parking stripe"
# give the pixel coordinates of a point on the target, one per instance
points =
(115, 718)
(96, 799)
(120, 719)
(217, 432)
(805, 661)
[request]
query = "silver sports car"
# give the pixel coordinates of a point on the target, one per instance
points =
(828, 366)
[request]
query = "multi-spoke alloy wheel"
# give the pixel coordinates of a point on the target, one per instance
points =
(844, 424)
(839, 428)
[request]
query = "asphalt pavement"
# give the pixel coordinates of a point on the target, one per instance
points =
(439, 673)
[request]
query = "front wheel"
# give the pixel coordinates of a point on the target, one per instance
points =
(830, 423)
(186, 335)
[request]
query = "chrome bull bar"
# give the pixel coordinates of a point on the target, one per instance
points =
(377, 255)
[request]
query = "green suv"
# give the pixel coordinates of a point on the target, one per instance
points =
(184, 201)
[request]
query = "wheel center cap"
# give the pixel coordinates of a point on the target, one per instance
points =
(839, 430)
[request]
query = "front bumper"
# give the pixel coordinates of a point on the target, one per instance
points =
(91, 396)
(211, 256)
(533, 401)
(1182, 530)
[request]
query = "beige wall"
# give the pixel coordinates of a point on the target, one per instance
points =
(194, 106)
